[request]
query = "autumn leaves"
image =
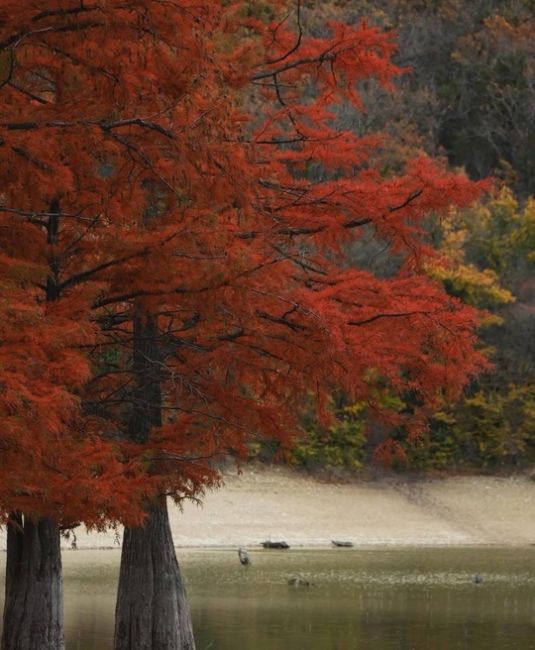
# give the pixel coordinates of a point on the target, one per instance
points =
(177, 204)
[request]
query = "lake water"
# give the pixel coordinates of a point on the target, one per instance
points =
(372, 599)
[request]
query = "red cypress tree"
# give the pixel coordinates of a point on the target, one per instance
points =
(177, 206)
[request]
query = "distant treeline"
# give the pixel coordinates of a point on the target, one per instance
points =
(468, 94)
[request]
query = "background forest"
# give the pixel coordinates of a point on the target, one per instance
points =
(469, 96)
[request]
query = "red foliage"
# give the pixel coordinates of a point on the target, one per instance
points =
(156, 163)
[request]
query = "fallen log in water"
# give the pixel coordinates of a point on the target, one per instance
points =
(275, 545)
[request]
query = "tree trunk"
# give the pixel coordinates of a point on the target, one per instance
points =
(152, 611)
(33, 610)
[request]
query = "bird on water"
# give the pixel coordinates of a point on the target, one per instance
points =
(244, 556)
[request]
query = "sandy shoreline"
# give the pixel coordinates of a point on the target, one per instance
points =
(281, 504)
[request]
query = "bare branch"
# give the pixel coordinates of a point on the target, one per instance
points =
(393, 315)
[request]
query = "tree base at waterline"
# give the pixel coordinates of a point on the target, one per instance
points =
(152, 611)
(33, 610)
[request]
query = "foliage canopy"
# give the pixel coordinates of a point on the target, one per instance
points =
(154, 189)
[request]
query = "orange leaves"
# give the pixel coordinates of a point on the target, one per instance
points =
(193, 165)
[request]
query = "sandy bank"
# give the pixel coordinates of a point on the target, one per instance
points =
(279, 504)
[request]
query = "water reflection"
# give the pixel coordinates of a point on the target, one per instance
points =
(377, 599)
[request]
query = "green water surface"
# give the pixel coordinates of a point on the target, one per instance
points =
(371, 599)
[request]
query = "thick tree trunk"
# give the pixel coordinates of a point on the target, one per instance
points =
(33, 610)
(152, 611)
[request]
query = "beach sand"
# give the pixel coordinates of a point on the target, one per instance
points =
(277, 503)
